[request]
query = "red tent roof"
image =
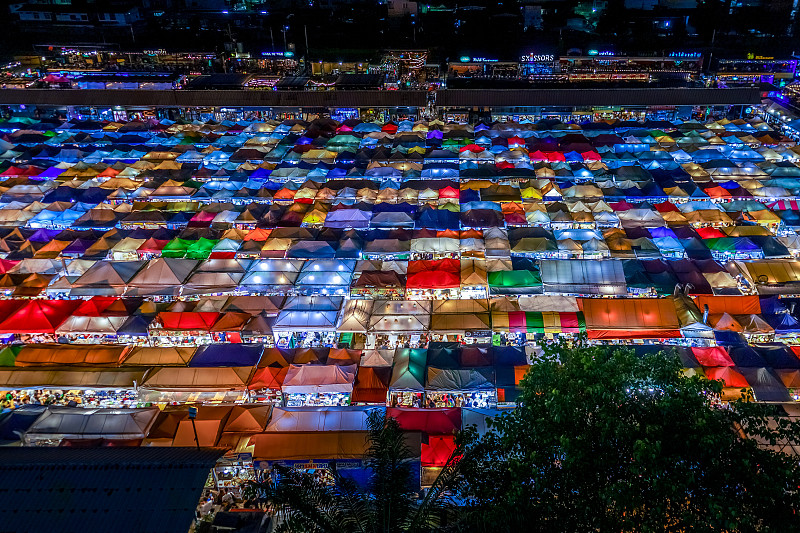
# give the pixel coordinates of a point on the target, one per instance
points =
(9, 306)
(710, 233)
(472, 148)
(6, 265)
(39, 316)
(713, 356)
(443, 421)
(258, 234)
(152, 245)
(188, 320)
(666, 207)
(438, 450)
(731, 377)
(99, 306)
(440, 274)
(449, 192)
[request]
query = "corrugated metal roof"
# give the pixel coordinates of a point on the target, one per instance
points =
(102, 489)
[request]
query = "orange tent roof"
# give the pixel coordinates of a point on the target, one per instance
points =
(209, 423)
(734, 305)
(248, 419)
(69, 354)
(231, 321)
(269, 377)
(630, 318)
(304, 446)
(372, 384)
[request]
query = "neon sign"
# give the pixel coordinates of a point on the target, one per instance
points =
(538, 57)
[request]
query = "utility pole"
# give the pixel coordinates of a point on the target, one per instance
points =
(711, 51)
(307, 65)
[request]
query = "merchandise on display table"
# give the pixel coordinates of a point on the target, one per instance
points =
(478, 400)
(76, 398)
(318, 399)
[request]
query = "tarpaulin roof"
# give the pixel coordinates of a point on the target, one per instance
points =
(158, 356)
(198, 379)
(451, 379)
(308, 419)
(304, 446)
(73, 422)
(229, 354)
(248, 419)
(65, 354)
(371, 385)
(438, 421)
(630, 318)
(313, 379)
(39, 316)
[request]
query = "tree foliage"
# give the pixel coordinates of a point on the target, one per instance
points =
(303, 503)
(604, 440)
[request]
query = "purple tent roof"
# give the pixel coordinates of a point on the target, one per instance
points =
(230, 354)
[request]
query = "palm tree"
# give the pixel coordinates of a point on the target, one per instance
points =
(303, 503)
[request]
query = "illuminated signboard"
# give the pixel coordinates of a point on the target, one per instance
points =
(484, 60)
(277, 54)
(538, 58)
(751, 55)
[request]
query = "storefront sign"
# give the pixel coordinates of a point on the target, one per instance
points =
(685, 55)
(277, 54)
(538, 57)
(751, 55)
